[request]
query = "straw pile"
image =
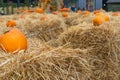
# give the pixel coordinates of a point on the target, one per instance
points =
(102, 50)
(47, 29)
(71, 17)
(76, 51)
(82, 20)
(58, 63)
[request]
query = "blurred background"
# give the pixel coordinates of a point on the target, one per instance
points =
(12, 6)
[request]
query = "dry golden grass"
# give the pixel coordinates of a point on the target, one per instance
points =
(57, 63)
(60, 48)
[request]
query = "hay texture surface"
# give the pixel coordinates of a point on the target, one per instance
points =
(46, 29)
(81, 51)
(102, 49)
(54, 64)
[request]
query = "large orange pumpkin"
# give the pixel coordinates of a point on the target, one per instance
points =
(39, 10)
(14, 40)
(11, 23)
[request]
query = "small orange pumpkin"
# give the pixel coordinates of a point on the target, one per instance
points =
(14, 40)
(98, 20)
(115, 13)
(30, 11)
(43, 18)
(55, 12)
(96, 11)
(86, 12)
(78, 11)
(64, 14)
(39, 10)
(64, 10)
(105, 16)
(11, 23)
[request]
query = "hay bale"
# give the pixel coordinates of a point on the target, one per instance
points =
(71, 17)
(102, 51)
(44, 29)
(83, 21)
(95, 38)
(55, 64)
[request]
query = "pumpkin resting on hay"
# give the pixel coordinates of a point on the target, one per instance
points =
(100, 19)
(116, 14)
(64, 14)
(64, 10)
(39, 10)
(96, 11)
(86, 12)
(11, 23)
(13, 40)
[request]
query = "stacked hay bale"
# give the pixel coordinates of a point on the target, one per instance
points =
(81, 52)
(71, 17)
(83, 20)
(114, 24)
(102, 51)
(43, 26)
(27, 21)
(58, 63)
(48, 28)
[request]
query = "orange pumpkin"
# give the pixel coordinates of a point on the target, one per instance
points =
(14, 40)
(78, 11)
(11, 23)
(61, 10)
(105, 16)
(43, 18)
(30, 11)
(115, 13)
(64, 10)
(97, 14)
(55, 12)
(64, 14)
(86, 12)
(98, 20)
(96, 11)
(39, 10)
